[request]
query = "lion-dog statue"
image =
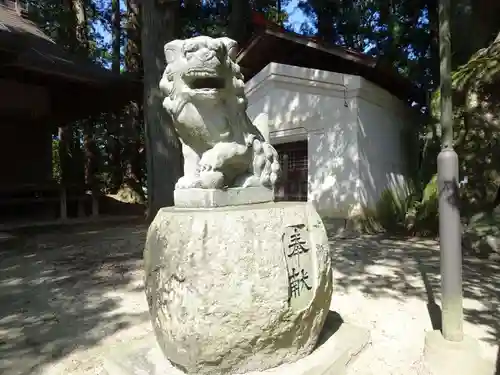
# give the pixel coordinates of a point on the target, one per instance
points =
(205, 96)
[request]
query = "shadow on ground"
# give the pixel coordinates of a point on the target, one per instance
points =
(63, 290)
(381, 266)
(56, 291)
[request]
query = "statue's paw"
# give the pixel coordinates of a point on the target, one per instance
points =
(186, 182)
(211, 180)
(212, 160)
(247, 181)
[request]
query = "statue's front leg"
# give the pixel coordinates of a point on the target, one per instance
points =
(230, 159)
(191, 161)
(191, 176)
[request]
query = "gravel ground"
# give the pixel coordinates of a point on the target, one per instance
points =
(68, 295)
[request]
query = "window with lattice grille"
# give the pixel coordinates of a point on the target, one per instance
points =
(293, 160)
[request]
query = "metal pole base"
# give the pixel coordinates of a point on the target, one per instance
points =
(444, 357)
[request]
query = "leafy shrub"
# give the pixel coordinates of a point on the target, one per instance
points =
(427, 210)
(389, 214)
(391, 210)
(403, 213)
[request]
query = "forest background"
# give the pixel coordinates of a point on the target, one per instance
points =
(110, 154)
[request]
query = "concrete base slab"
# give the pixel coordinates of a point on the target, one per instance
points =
(210, 198)
(443, 357)
(339, 345)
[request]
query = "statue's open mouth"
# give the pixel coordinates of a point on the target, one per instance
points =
(206, 83)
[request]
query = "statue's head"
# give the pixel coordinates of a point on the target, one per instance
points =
(201, 69)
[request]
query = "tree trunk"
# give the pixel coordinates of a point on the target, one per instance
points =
(64, 145)
(113, 122)
(81, 32)
(432, 11)
(240, 24)
(133, 176)
(133, 60)
(278, 13)
(325, 13)
(116, 31)
(89, 149)
(159, 26)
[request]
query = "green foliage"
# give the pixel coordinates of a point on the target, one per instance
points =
(391, 210)
(426, 210)
(482, 235)
(404, 212)
(389, 213)
(430, 196)
(59, 23)
(402, 34)
(476, 102)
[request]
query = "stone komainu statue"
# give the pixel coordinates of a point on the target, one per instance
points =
(205, 96)
(235, 289)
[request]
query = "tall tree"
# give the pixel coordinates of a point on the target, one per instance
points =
(240, 20)
(326, 12)
(117, 35)
(133, 147)
(113, 122)
(159, 26)
(89, 149)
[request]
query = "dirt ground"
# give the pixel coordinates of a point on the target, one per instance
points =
(391, 287)
(69, 294)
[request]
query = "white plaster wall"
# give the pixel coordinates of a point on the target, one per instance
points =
(382, 120)
(337, 116)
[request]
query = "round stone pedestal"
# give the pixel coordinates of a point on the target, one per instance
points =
(237, 289)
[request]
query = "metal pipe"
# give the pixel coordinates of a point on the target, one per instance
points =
(450, 231)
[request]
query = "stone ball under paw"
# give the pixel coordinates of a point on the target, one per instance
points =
(212, 180)
(186, 182)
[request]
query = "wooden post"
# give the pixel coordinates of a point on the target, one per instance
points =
(63, 214)
(64, 158)
(95, 205)
(81, 205)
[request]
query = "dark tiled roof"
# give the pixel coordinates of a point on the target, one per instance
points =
(24, 45)
(289, 48)
(11, 22)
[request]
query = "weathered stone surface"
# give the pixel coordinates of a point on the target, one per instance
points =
(340, 344)
(207, 198)
(220, 285)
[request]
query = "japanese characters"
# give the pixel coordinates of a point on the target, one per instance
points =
(298, 258)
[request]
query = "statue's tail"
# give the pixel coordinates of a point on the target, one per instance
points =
(266, 163)
(261, 122)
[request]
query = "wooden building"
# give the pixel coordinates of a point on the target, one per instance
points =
(42, 87)
(337, 117)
